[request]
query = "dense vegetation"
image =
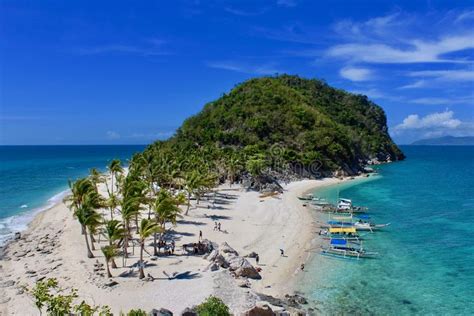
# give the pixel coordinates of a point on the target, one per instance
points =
(282, 123)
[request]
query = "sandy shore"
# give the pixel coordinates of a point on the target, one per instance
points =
(54, 247)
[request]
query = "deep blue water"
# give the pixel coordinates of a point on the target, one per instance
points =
(426, 265)
(33, 177)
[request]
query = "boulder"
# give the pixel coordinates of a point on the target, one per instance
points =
(189, 312)
(212, 255)
(160, 312)
(214, 267)
(263, 310)
(225, 248)
(247, 270)
(243, 283)
(221, 261)
(253, 254)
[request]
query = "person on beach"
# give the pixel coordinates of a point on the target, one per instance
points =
(200, 235)
(257, 258)
(215, 226)
(172, 246)
(219, 226)
(302, 267)
(282, 252)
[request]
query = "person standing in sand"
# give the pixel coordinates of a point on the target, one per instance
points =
(200, 235)
(257, 258)
(215, 226)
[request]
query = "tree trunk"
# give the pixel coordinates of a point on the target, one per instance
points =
(189, 203)
(92, 240)
(109, 275)
(89, 252)
(112, 213)
(125, 240)
(113, 264)
(142, 272)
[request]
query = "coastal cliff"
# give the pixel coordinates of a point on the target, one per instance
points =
(287, 125)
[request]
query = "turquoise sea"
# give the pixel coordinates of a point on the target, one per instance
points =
(426, 264)
(33, 178)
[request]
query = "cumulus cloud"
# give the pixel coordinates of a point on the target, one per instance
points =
(432, 125)
(434, 120)
(356, 74)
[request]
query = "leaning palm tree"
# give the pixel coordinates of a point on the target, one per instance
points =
(109, 253)
(88, 218)
(147, 228)
(95, 176)
(115, 168)
(79, 190)
(114, 231)
(130, 208)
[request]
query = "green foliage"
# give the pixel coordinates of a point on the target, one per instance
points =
(57, 302)
(137, 312)
(212, 306)
(308, 119)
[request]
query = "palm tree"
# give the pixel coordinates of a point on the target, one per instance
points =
(115, 168)
(96, 177)
(147, 228)
(166, 211)
(130, 208)
(79, 189)
(88, 218)
(109, 253)
(114, 231)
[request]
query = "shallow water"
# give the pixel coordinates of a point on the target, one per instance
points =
(426, 265)
(35, 177)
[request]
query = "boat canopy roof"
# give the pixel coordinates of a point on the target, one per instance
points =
(338, 242)
(342, 230)
(345, 200)
(363, 216)
(341, 218)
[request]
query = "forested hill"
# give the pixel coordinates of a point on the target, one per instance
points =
(290, 119)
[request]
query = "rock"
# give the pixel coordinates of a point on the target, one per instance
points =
(110, 283)
(225, 248)
(160, 312)
(20, 291)
(212, 255)
(243, 283)
(235, 263)
(17, 235)
(221, 261)
(4, 300)
(7, 283)
(253, 254)
(30, 272)
(214, 267)
(188, 312)
(20, 254)
(247, 270)
(263, 310)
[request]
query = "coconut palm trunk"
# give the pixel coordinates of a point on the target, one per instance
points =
(91, 236)
(109, 275)
(89, 252)
(142, 272)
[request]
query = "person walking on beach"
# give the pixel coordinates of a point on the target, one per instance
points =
(215, 226)
(282, 252)
(257, 258)
(172, 246)
(219, 226)
(302, 267)
(200, 235)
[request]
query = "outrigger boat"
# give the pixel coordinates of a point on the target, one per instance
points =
(307, 197)
(345, 205)
(346, 233)
(361, 225)
(341, 248)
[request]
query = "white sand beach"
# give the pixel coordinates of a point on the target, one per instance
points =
(53, 246)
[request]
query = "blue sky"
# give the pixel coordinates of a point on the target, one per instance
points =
(123, 72)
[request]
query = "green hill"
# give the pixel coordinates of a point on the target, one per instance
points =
(284, 124)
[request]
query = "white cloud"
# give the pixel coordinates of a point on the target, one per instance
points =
(443, 120)
(445, 75)
(466, 15)
(435, 124)
(414, 85)
(445, 101)
(371, 93)
(418, 51)
(258, 69)
(356, 74)
(112, 135)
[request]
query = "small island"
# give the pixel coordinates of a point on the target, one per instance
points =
(210, 215)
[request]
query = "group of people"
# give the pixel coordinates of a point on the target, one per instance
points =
(169, 249)
(217, 226)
